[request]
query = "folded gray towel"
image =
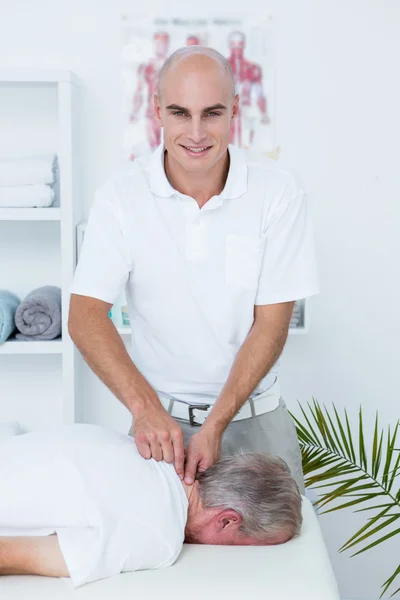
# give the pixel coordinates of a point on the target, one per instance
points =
(38, 317)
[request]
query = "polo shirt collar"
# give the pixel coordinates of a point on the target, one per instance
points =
(159, 183)
(236, 182)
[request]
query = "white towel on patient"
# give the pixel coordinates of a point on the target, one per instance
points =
(26, 196)
(28, 170)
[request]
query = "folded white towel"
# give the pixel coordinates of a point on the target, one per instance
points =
(28, 170)
(26, 196)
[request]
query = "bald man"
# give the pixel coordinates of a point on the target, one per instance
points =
(213, 248)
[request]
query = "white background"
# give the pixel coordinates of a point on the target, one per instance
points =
(338, 123)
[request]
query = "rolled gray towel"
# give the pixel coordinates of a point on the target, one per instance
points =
(38, 317)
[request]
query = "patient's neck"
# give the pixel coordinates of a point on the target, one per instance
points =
(190, 490)
(195, 508)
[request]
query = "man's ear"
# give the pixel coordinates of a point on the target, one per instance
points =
(157, 108)
(229, 518)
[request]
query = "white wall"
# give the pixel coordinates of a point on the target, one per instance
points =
(338, 99)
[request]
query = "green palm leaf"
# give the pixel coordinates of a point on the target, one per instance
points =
(375, 530)
(363, 498)
(389, 582)
(372, 507)
(361, 444)
(333, 428)
(337, 464)
(350, 437)
(376, 449)
(368, 525)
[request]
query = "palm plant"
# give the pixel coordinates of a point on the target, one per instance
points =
(336, 461)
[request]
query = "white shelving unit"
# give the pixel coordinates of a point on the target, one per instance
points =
(18, 347)
(53, 96)
(30, 214)
(300, 329)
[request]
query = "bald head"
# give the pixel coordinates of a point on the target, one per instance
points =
(195, 106)
(191, 58)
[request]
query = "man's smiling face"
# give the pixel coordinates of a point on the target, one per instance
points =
(196, 107)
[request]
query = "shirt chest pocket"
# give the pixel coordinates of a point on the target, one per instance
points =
(243, 260)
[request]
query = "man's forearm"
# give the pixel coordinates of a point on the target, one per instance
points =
(103, 349)
(256, 356)
(32, 556)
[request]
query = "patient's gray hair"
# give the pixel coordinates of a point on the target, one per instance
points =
(188, 51)
(260, 488)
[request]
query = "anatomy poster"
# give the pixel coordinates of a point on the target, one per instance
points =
(246, 43)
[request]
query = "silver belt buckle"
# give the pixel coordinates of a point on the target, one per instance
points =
(193, 407)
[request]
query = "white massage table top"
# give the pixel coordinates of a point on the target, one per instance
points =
(297, 570)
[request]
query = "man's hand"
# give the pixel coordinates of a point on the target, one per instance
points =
(203, 451)
(158, 436)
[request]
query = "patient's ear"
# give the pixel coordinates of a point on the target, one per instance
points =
(229, 519)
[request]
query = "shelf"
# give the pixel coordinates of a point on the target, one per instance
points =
(30, 214)
(14, 346)
(26, 75)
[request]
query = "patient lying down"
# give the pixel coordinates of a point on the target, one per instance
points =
(80, 502)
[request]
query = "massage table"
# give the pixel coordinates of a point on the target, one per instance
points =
(297, 570)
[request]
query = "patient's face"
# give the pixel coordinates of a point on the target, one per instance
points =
(235, 539)
(228, 539)
(222, 529)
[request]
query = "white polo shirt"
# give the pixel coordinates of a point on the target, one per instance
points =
(193, 275)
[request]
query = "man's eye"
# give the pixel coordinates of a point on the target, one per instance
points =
(213, 114)
(179, 113)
